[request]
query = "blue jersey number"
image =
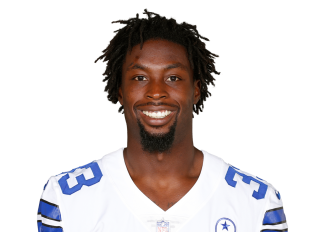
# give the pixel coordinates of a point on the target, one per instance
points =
(80, 179)
(260, 194)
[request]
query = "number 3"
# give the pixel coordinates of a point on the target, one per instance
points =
(260, 194)
(80, 179)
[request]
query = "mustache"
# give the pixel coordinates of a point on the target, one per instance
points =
(156, 104)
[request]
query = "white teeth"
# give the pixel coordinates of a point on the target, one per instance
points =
(157, 114)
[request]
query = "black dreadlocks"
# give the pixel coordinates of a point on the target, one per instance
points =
(137, 31)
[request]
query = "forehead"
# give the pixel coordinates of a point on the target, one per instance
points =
(157, 53)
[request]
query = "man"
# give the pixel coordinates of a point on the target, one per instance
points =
(159, 71)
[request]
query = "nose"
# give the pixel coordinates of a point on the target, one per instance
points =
(156, 91)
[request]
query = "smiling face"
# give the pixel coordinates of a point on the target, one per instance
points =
(158, 89)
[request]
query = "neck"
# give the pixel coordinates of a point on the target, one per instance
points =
(178, 163)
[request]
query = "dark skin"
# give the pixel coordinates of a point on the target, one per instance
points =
(157, 78)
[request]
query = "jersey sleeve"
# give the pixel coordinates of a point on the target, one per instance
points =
(274, 219)
(49, 215)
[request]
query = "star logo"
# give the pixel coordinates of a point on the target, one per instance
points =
(225, 224)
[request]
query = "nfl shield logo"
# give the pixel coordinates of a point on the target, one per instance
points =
(162, 226)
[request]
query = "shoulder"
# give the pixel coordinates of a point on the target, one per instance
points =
(73, 181)
(80, 178)
(249, 193)
(64, 191)
(239, 181)
(233, 175)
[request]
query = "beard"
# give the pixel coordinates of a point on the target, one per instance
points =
(159, 142)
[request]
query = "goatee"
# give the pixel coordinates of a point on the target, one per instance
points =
(159, 142)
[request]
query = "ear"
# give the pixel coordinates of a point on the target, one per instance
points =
(197, 91)
(120, 95)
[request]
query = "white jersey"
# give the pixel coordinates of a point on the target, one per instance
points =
(101, 197)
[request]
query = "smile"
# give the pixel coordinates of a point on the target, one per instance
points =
(157, 114)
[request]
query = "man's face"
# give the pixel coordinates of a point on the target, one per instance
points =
(158, 89)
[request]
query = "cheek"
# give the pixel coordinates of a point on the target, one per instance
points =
(188, 96)
(185, 99)
(130, 97)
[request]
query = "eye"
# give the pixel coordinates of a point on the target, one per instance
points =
(173, 78)
(140, 78)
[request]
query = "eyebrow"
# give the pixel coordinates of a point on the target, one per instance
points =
(168, 67)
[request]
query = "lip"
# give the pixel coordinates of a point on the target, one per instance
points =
(156, 121)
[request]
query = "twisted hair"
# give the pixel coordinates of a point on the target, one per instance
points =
(137, 31)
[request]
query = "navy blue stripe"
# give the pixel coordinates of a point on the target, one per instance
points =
(274, 217)
(285, 230)
(49, 203)
(49, 210)
(47, 228)
(274, 209)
